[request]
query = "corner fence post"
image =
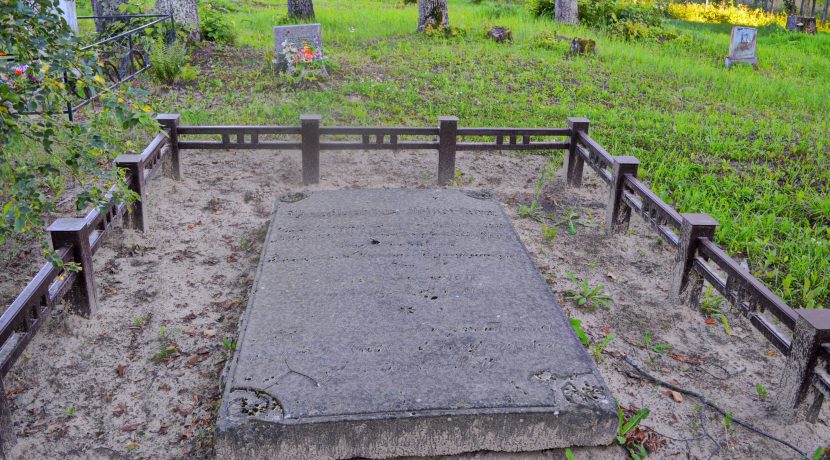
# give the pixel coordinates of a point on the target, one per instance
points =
(172, 166)
(135, 175)
(812, 328)
(447, 134)
(574, 162)
(685, 282)
(617, 213)
(310, 133)
(75, 232)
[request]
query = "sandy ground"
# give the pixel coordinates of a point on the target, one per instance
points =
(141, 378)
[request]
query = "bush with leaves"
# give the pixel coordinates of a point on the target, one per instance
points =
(215, 25)
(628, 19)
(41, 156)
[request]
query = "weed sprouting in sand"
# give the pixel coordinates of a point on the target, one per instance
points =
(586, 296)
(655, 347)
(598, 347)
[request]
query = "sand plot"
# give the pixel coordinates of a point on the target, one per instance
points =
(404, 322)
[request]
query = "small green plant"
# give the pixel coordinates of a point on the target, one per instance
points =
(569, 455)
(168, 60)
(548, 233)
(655, 347)
(531, 212)
(762, 391)
(445, 31)
(70, 411)
(710, 306)
(229, 345)
(576, 324)
(246, 244)
(728, 421)
(459, 179)
(166, 352)
(821, 453)
(586, 296)
(138, 321)
(572, 219)
(597, 348)
(635, 450)
(189, 73)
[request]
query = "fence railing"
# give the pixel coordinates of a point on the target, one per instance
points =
(76, 240)
(802, 335)
(123, 56)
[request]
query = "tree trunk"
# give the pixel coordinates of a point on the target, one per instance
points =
(824, 16)
(300, 9)
(567, 12)
(185, 13)
(105, 8)
(432, 13)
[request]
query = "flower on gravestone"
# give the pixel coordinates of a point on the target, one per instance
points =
(303, 59)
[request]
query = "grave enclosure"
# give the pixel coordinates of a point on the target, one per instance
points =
(803, 336)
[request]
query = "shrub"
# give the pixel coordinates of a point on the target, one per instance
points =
(741, 15)
(545, 40)
(628, 19)
(215, 25)
(169, 62)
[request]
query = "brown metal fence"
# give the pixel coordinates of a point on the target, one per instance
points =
(802, 335)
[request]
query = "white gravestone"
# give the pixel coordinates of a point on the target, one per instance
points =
(742, 46)
(297, 36)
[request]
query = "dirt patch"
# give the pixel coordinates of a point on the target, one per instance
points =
(141, 378)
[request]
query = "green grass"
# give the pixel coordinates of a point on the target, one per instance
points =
(748, 147)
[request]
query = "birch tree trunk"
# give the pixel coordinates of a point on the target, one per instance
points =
(567, 12)
(300, 9)
(432, 13)
(185, 13)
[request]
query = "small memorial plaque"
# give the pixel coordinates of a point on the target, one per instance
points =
(742, 46)
(387, 323)
(296, 37)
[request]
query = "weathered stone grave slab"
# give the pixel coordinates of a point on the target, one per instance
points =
(742, 44)
(296, 36)
(388, 323)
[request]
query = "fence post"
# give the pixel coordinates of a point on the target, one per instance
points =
(75, 232)
(8, 438)
(310, 133)
(684, 280)
(617, 213)
(172, 165)
(574, 162)
(812, 328)
(135, 176)
(447, 137)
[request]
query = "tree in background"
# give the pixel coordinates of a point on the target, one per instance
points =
(42, 154)
(105, 8)
(567, 12)
(300, 9)
(432, 13)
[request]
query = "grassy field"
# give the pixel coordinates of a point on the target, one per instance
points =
(748, 147)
